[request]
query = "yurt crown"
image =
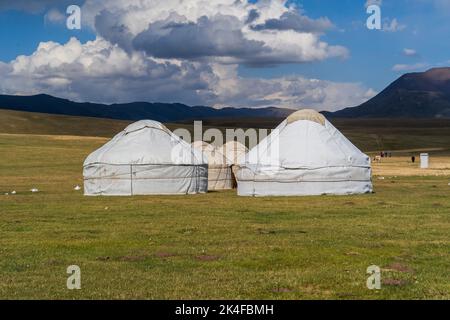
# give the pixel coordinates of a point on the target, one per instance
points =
(307, 114)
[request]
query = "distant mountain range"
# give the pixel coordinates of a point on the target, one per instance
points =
(413, 95)
(163, 112)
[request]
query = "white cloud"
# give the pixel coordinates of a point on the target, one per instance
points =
(409, 52)
(292, 20)
(189, 52)
(54, 16)
(290, 92)
(266, 32)
(409, 67)
(101, 72)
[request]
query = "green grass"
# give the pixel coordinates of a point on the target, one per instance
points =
(213, 246)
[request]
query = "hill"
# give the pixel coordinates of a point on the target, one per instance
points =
(18, 122)
(371, 135)
(163, 112)
(413, 95)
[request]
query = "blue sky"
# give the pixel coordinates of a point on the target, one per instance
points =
(375, 57)
(373, 53)
(21, 32)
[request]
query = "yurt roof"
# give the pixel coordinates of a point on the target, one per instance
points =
(235, 144)
(202, 145)
(146, 142)
(307, 114)
(296, 143)
(146, 124)
(233, 150)
(214, 155)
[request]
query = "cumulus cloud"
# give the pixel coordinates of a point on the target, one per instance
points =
(219, 36)
(229, 31)
(291, 92)
(186, 51)
(99, 71)
(295, 21)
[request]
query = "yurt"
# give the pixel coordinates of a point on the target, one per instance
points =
(220, 176)
(234, 151)
(304, 155)
(145, 159)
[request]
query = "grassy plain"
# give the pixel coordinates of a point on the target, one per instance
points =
(218, 245)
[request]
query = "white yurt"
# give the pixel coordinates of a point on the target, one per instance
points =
(145, 159)
(234, 151)
(304, 155)
(220, 176)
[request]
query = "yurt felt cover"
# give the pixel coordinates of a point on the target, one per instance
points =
(234, 151)
(146, 158)
(304, 155)
(220, 176)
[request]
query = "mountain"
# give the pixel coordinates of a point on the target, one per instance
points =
(413, 95)
(163, 112)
